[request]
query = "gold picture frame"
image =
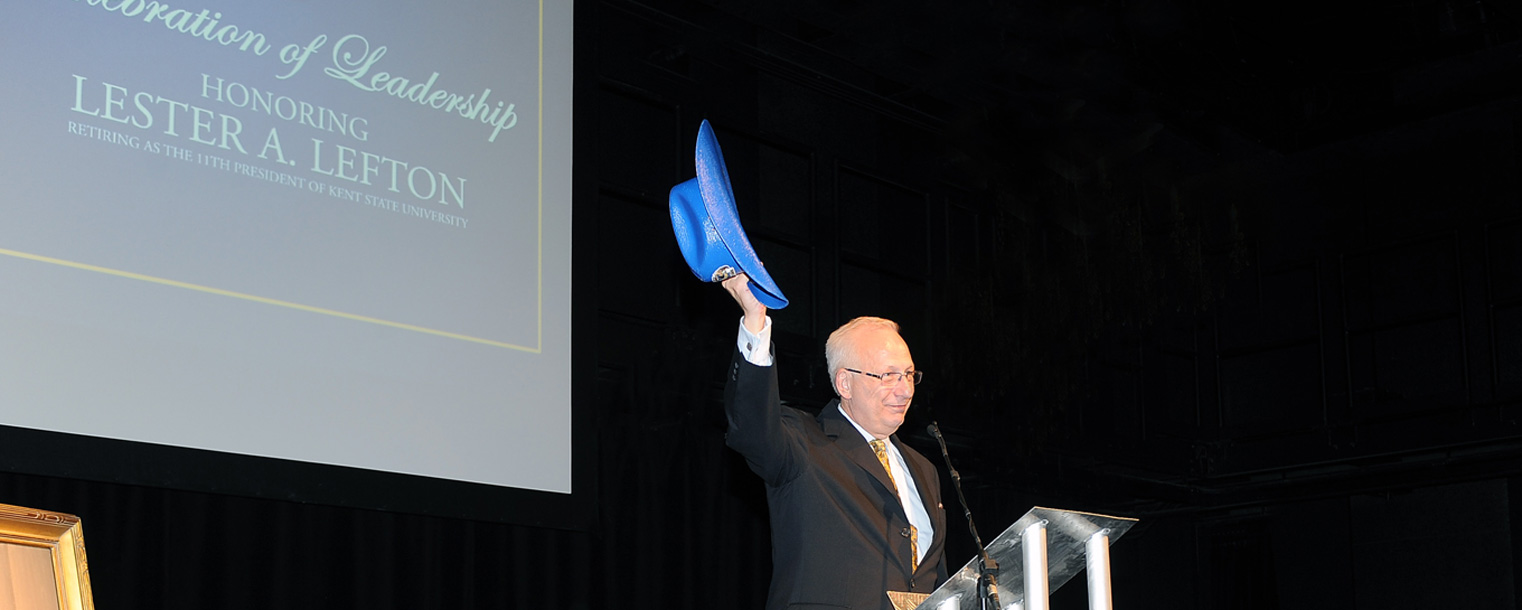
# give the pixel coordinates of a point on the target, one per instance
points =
(42, 561)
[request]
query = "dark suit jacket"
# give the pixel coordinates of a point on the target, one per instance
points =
(839, 533)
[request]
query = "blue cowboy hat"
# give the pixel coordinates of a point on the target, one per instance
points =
(708, 228)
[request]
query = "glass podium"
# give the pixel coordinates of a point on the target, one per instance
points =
(1038, 554)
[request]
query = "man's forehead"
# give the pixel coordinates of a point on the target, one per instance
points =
(879, 342)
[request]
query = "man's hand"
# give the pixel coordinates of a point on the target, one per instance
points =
(755, 313)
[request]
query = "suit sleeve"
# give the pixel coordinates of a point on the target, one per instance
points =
(757, 429)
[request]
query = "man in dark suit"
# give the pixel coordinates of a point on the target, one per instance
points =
(855, 513)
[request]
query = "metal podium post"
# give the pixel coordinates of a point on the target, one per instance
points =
(1098, 555)
(1033, 539)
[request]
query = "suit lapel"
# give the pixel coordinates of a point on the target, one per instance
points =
(916, 470)
(850, 442)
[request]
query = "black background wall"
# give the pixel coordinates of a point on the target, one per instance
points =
(1247, 273)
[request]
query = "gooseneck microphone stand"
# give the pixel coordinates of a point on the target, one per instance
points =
(988, 569)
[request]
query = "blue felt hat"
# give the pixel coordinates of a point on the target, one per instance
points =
(708, 228)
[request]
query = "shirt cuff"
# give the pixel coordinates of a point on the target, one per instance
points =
(756, 347)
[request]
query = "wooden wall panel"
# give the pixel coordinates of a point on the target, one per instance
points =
(640, 149)
(1402, 282)
(1408, 368)
(1503, 281)
(643, 267)
(866, 291)
(1273, 307)
(1271, 389)
(1405, 556)
(793, 269)
(883, 222)
(1507, 321)
(785, 181)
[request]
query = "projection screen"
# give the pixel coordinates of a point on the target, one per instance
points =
(337, 233)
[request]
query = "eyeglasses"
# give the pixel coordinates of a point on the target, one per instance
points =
(893, 378)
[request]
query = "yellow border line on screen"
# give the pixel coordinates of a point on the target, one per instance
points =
(257, 299)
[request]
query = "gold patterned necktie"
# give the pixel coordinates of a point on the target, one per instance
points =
(881, 449)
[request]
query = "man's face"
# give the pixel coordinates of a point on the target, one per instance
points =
(876, 406)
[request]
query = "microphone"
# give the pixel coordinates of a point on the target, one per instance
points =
(988, 574)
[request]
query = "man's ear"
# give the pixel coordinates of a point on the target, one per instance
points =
(843, 383)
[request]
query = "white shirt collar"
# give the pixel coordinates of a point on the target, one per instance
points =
(863, 431)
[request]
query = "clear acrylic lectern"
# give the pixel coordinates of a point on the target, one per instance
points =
(1037, 555)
